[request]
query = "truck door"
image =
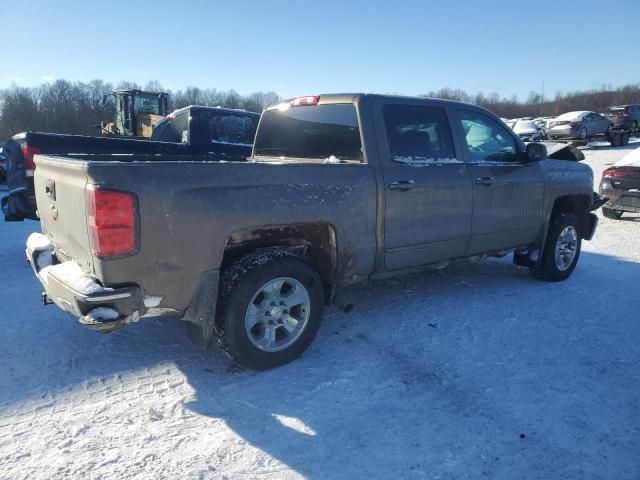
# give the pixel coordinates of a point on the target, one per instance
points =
(427, 189)
(508, 194)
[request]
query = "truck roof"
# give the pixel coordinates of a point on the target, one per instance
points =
(326, 98)
(218, 109)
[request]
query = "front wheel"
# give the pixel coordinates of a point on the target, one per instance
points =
(272, 304)
(562, 248)
(611, 213)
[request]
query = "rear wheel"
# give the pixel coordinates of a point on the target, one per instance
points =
(562, 248)
(582, 134)
(616, 140)
(272, 303)
(611, 213)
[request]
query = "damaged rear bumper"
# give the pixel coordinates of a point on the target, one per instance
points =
(74, 291)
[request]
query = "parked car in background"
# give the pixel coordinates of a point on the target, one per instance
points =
(340, 189)
(621, 185)
(580, 125)
(542, 123)
(217, 133)
(511, 123)
(528, 131)
(624, 116)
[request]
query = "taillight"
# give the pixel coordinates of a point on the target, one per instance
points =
(303, 101)
(27, 159)
(574, 124)
(626, 112)
(620, 172)
(112, 222)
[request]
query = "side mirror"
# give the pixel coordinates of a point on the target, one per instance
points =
(535, 152)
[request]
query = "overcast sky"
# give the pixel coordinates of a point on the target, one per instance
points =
(296, 48)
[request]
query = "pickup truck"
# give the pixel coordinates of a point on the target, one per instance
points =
(219, 133)
(340, 189)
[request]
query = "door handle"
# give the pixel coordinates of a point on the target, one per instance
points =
(486, 181)
(402, 185)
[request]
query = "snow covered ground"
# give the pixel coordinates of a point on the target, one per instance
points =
(476, 371)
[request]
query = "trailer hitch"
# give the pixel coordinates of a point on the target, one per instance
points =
(45, 299)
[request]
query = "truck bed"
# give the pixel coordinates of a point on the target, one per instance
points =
(189, 208)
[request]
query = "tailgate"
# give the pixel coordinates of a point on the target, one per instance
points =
(60, 195)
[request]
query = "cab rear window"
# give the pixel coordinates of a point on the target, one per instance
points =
(323, 132)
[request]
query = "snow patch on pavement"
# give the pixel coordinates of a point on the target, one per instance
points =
(474, 371)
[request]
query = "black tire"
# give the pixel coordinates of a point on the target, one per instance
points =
(582, 134)
(625, 138)
(548, 268)
(611, 213)
(244, 279)
(616, 140)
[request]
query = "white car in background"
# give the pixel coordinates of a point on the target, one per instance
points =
(581, 124)
(528, 131)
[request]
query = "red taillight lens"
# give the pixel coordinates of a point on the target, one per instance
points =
(626, 112)
(574, 124)
(27, 159)
(303, 101)
(112, 222)
(620, 172)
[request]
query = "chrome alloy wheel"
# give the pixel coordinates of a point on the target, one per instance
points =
(566, 248)
(277, 314)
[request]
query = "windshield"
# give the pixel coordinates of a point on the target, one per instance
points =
(147, 104)
(314, 132)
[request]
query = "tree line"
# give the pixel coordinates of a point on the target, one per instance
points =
(76, 107)
(536, 105)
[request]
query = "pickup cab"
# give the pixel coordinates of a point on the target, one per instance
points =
(219, 133)
(339, 189)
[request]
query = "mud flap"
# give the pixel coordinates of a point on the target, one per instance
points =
(533, 256)
(201, 314)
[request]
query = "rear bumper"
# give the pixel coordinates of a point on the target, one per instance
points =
(74, 291)
(620, 199)
(562, 132)
(626, 203)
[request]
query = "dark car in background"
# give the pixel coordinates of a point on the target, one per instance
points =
(581, 124)
(216, 133)
(624, 116)
(621, 185)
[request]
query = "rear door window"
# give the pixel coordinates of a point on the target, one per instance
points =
(325, 132)
(232, 128)
(418, 135)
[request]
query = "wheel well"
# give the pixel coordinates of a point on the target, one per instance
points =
(315, 242)
(578, 204)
